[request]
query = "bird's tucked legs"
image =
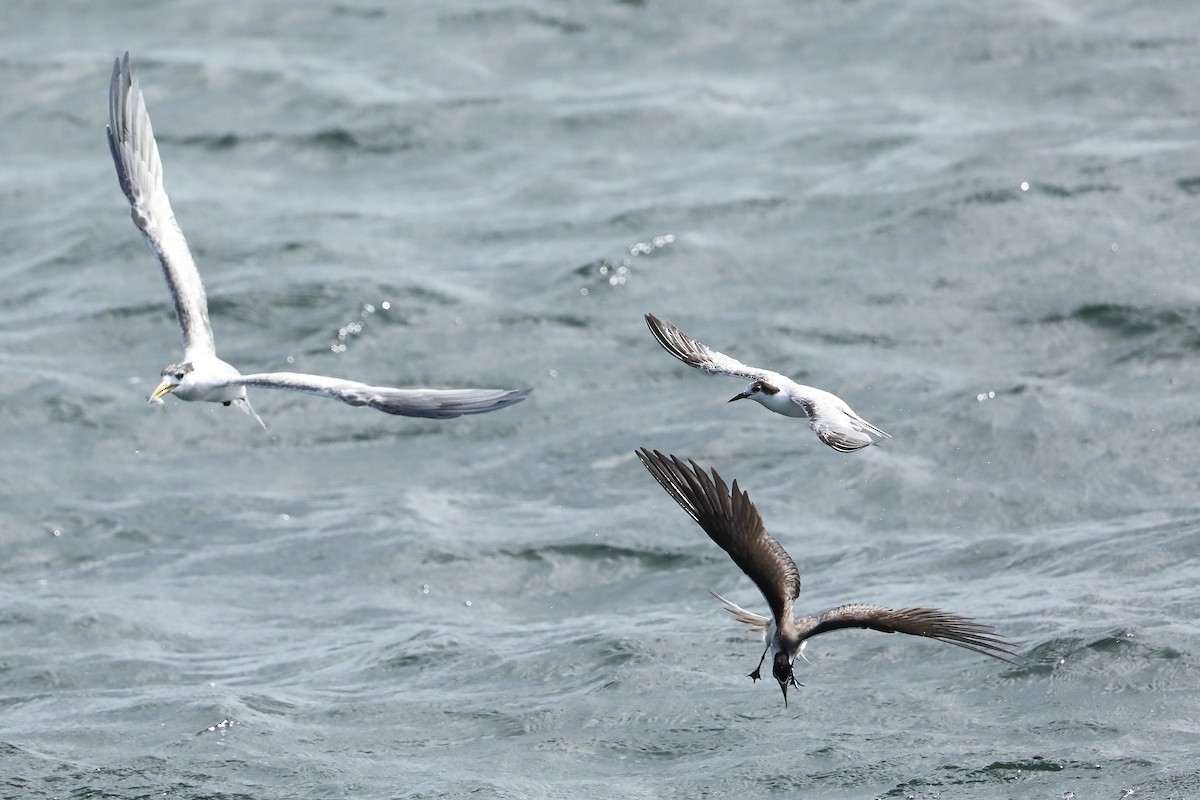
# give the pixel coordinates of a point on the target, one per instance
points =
(758, 670)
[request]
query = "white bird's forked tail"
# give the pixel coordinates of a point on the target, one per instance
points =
(244, 404)
(756, 622)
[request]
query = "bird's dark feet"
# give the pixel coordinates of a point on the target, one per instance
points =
(227, 403)
(756, 675)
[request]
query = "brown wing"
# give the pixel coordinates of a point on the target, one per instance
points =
(929, 622)
(732, 521)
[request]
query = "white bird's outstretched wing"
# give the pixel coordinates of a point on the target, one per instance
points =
(834, 422)
(139, 170)
(699, 355)
(430, 403)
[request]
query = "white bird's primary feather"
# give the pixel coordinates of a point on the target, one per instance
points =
(829, 416)
(430, 403)
(202, 376)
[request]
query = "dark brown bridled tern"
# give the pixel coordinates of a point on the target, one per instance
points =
(828, 415)
(732, 521)
(202, 375)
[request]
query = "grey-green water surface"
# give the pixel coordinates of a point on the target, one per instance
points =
(975, 222)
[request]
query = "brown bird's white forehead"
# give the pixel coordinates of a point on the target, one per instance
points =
(766, 388)
(178, 370)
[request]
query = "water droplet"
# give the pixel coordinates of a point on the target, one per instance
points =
(467, 603)
(1024, 186)
(424, 588)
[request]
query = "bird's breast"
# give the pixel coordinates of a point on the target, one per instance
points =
(781, 403)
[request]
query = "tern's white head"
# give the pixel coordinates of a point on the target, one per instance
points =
(172, 377)
(761, 391)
